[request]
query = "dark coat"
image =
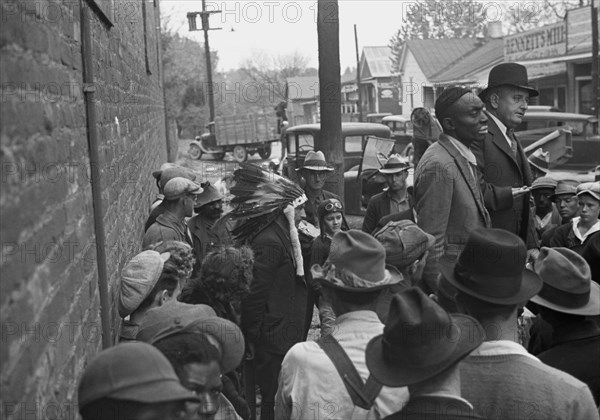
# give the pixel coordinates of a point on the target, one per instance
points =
(207, 240)
(564, 236)
(273, 312)
(502, 172)
(434, 408)
(378, 207)
(576, 350)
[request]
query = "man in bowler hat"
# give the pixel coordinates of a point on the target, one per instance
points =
(448, 200)
(421, 347)
(506, 172)
(500, 378)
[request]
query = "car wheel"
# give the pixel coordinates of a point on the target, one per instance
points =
(240, 154)
(195, 152)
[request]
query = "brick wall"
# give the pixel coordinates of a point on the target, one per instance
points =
(49, 301)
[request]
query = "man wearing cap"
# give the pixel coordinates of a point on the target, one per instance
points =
(421, 347)
(180, 196)
(131, 381)
(310, 383)
(208, 235)
(581, 229)
(567, 297)
(506, 172)
(167, 172)
(448, 200)
(145, 284)
(394, 200)
(500, 378)
(546, 214)
(203, 348)
(565, 200)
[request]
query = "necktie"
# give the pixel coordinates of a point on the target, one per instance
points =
(513, 141)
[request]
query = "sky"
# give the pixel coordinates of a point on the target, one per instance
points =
(283, 27)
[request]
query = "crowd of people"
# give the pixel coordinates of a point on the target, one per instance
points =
(469, 295)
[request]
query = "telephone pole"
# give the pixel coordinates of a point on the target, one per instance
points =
(330, 96)
(595, 63)
(204, 19)
(360, 114)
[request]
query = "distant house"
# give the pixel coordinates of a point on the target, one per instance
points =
(303, 100)
(349, 91)
(379, 93)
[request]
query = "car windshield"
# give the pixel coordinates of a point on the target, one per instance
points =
(353, 144)
(304, 141)
(376, 152)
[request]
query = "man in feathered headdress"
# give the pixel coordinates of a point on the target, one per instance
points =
(273, 313)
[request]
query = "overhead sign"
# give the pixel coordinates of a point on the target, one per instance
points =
(547, 41)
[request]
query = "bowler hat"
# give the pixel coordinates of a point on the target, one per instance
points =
(568, 285)
(491, 268)
(315, 161)
(404, 242)
(420, 340)
(508, 74)
(179, 318)
(356, 263)
(135, 372)
(395, 164)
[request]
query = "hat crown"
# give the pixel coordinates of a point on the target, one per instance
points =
(358, 253)
(122, 367)
(315, 161)
(509, 74)
(563, 269)
(403, 242)
(566, 186)
(209, 195)
(179, 186)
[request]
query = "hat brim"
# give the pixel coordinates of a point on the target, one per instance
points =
(316, 168)
(531, 284)
(227, 334)
(402, 372)
(391, 272)
(532, 92)
(393, 170)
(157, 174)
(592, 308)
(594, 194)
(155, 392)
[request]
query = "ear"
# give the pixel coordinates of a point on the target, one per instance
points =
(448, 124)
(493, 100)
(164, 297)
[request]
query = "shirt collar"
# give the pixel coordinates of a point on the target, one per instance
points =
(445, 395)
(500, 347)
(501, 126)
(595, 228)
(463, 150)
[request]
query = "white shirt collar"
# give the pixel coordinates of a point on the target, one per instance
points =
(502, 128)
(463, 150)
(595, 228)
(500, 347)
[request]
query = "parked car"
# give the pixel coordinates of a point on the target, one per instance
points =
(584, 130)
(402, 133)
(377, 117)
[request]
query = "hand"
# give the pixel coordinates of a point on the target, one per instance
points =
(517, 192)
(250, 351)
(532, 255)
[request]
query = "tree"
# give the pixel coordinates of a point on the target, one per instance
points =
(529, 15)
(185, 85)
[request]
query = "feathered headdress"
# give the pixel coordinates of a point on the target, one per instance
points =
(259, 198)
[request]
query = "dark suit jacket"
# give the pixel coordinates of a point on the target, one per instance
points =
(448, 202)
(273, 312)
(430, 407)
(379, 206)
(501, 172)
(576, 350)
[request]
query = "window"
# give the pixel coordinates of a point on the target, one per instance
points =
(304, 141)
(353, 144)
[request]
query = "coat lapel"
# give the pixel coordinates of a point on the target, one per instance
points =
(463, 167)
(500, 142)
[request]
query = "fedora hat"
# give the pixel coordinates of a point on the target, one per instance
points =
(420, 340)
(568, 285)
(394, 165)
(508, 74)
(179, 318)
(315, 161)
(356, 263)
(491, 268)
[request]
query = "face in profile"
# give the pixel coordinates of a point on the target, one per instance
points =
(510, 105)
(467, 120)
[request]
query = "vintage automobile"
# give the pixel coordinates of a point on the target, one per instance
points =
(402, 133)
(301, 138)
(584, 130)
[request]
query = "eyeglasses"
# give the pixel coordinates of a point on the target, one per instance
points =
(333, 205)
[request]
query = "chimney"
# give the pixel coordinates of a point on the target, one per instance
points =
(494, 29)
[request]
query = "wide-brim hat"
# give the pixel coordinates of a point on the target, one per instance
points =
(135, 372)
(395, 164)
(568, 285)
(420, 340)
(315, 161)
(356, 263)
(491, 268)
(179, 318)
(508, 74)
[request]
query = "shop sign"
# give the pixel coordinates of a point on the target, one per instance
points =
(544, 42)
